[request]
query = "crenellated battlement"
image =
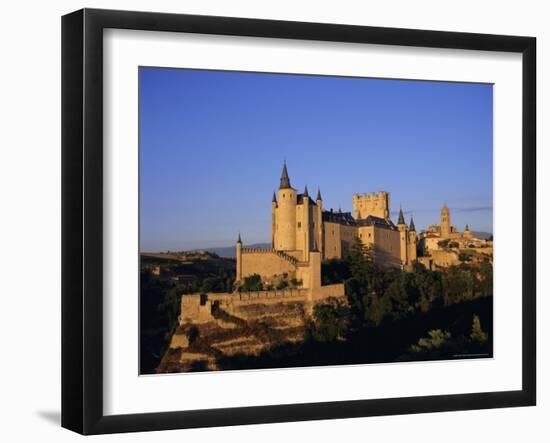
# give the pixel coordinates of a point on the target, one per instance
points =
(281, 254)
(377, 204)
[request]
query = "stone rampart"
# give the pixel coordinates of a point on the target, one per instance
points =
(197, 308)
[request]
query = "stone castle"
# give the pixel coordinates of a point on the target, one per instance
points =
(303, 234)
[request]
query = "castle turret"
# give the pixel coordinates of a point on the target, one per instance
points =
(412, 242)
(238, 256)
(319, 226)
(467, 232)
(403, 240)
(445, 221)
(273, 219)
(285, 224)
(401, 218)
(305, 229)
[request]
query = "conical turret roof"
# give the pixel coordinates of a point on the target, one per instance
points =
(401, 218)
(411, 225)
(319, 194)
(285, 181)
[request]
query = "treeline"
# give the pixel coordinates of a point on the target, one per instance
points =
(159, 310)
(376, 295)
(384, 304)
(160, 298)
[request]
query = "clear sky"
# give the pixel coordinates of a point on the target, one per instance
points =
(212, 145)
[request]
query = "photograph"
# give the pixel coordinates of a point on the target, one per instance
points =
(301, 220)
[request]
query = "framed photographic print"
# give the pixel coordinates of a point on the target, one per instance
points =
(269, 221)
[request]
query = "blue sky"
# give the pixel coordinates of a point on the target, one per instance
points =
(212, 145)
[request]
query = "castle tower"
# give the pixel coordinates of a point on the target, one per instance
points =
(273, 219)
(238, 256)
(372, 204)
(445, 221)
(403, 237)
(319, 228)
(467, 232)
(285, 223)
(307, 224)
(412, 242)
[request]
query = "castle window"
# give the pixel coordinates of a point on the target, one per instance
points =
(299, 225)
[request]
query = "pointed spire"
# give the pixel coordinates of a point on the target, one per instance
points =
(411, 226)
(285, 181)
(239, 239)
(319, 194)
(306, 194)
(467, 228)
(274, 199)
(401, 218)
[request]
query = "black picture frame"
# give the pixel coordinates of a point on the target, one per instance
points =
(82, 219)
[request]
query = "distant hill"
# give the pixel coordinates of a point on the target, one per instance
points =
(229, 251)
(482, 235)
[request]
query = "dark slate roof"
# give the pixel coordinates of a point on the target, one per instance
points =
(411, 226)
(285, 181)
(379, 222)
(301, 197)
(319, 194)
(401, 218)
(345, 218)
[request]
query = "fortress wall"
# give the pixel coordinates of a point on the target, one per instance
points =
(387, 249)
(347, 235)
(236, 303)
(336, 290)
(333, 243)
(366, 234)
(268, 264)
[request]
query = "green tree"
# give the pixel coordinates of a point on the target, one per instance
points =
(361, 260)
(486, 278)
(436, 340)
(328, 323)
(477, 334)
(252, 283)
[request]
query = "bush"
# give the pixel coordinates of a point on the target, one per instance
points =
(436, 340)
(252, 283)
(477, 334)
(329, 322)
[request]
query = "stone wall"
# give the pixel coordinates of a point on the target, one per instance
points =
(387, 248)
(267, 263)
(196, 308)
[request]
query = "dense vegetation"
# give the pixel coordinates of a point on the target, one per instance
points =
(160, 297)
(391, 315)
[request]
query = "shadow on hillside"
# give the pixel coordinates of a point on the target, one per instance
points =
(390, 342)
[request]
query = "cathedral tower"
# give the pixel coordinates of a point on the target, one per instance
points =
(445, 221)
(285, 219)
